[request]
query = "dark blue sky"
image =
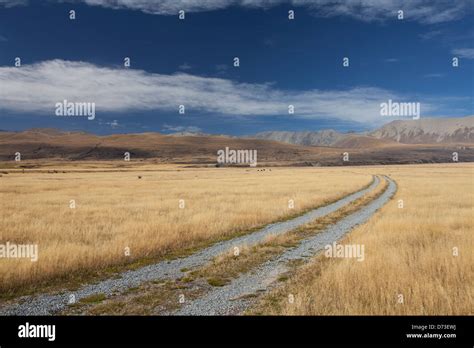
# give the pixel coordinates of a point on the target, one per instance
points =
(409, 59)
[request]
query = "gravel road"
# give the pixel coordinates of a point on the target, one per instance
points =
(47, 304)
(232, 299)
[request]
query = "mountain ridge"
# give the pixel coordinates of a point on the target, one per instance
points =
(423, 131)
(377, 147)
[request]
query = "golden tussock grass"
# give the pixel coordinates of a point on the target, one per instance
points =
(410, 265)
(230, 265)
(116, 210)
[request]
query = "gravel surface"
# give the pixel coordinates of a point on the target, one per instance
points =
(234, 298)
(48, 304)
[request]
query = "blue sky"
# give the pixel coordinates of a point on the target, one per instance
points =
(190, 62)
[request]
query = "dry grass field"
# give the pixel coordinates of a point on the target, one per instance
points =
(418, 259)
(116, 210)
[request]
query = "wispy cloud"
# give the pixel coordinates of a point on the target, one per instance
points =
(431, 34)
(222, 70)
(188, 129)
(433, 75)
(467, 53)
(38, 87)
(185, 66)
(424, 11)
(114, 124)
(11, 3)
(221, 67)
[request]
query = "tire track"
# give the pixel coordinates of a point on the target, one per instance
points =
(48, 304)
(234, 298)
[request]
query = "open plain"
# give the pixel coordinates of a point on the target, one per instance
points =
(93, 221)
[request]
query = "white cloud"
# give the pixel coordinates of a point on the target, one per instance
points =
(113, 124)
(11, 3)
(425, 11)
(431, 34)
(37, 88)
(187, 129)
(467, 53)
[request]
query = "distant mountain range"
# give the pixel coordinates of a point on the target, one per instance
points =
(420, 141)
(428, 131)
(316, 138)
(422, 131)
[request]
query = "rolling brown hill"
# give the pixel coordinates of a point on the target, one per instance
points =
(51, 144)
(356, 141)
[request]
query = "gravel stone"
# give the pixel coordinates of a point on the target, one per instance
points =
(233, 299)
